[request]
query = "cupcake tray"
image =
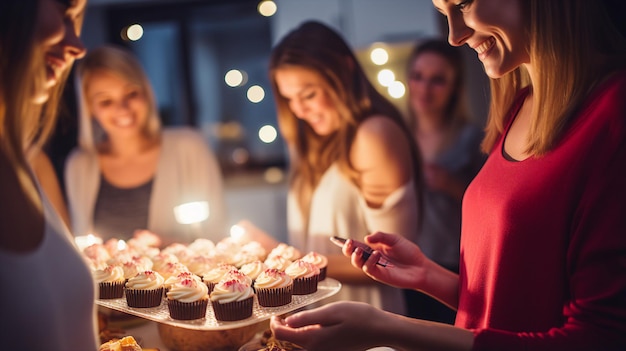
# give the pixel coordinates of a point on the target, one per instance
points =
(326, 288)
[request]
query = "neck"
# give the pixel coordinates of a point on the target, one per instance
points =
(128, 147)
(428, 123)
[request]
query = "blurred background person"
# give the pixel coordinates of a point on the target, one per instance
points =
(47, 302)
(450, 147)
(354, 165)
(128, 172)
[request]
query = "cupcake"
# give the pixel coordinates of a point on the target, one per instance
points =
(145, 290)
(319, 260)
(305, 276)
(172, 269)
(167, 284)
(215, 275)
(160, 261)
(273, 288)
(188, 299)
(200, 264)
(110, 281)
(253, 269)
(286, 251)
(278, 262)
(232, 300)
(202, 246)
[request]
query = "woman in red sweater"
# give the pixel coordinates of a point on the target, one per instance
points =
(543, 238)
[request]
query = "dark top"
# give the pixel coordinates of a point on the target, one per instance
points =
(121, 211)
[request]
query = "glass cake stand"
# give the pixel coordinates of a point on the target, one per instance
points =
(326, 288)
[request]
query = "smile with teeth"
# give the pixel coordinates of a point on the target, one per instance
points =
(124, 121)
(485, 45)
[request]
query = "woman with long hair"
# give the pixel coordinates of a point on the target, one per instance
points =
(354, 165)
(543, 249)
(47, 299)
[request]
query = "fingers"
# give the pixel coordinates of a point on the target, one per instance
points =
(300, 336)
(382, 238)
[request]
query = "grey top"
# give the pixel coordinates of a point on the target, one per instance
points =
(120, 211)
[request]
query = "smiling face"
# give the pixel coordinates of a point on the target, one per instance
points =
(307, 96)
(119, 105)
(493, 28)
(58, 27)
(431, 84)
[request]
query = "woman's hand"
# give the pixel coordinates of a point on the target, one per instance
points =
(336, 326)
(406, 260)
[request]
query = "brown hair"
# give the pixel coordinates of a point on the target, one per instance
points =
(456, 113)
(566, 37)
(123, 63)
(316, 47)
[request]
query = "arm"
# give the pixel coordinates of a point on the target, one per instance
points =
(359, 326)
(46, 175)
(410, 268)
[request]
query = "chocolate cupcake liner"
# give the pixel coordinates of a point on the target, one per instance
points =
(211, 286)
(187, 310)
(110, 290)
(144, 298)
(273, 297)
(322, 273)
(233, 311)
(305, 286)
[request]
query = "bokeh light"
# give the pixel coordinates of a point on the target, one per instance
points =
(379, 56)
(233, 78)
(386, 77)
(267, 8)
(396, 89)
(256, 94)
(267, 134)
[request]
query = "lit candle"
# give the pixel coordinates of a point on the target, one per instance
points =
(84, 241)
(237, 233)
(192, 212)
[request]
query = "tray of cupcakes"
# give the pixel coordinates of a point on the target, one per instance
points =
(207, 286)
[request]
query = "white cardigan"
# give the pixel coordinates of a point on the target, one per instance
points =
(187, 171)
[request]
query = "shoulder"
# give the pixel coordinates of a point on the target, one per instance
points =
(379, 129)
(379, 137)
(183, 137)
(80, 158)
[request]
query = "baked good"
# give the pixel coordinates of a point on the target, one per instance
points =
(145, 290)
(319, 260)
(188, 299)
(110, 280)
(286, 251)
(305, 276)
(215, 275)
(253, 269)
(232, 300)
(273, 288)
(277, 261)
(127, 343)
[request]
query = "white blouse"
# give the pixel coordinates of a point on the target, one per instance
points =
(47, 295)
(338, 208)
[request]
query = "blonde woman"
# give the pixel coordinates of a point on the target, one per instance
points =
(354, 165)
(128, 173)
(47, 300)
(543, 249)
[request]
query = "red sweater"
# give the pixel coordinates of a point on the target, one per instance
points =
(543, 248)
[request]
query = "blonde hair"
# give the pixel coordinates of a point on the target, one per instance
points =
(124, 64)
(565, 38)
(24, 125)
(318, 48)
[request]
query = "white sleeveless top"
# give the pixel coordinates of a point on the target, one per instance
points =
(47, 295)
(337, 208)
